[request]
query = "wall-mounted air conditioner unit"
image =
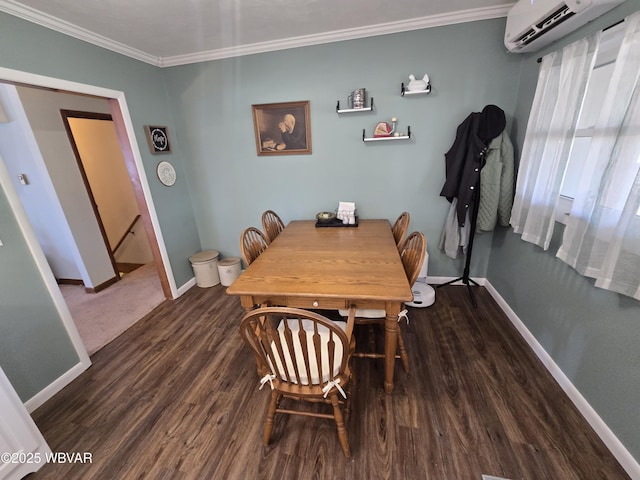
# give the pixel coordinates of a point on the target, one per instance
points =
(533, 24)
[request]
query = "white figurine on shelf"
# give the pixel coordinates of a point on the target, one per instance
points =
(415, 85)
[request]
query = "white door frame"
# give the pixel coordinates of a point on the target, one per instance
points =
(19, 436)
(16, 76)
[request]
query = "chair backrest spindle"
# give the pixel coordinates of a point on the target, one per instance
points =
(312, 355)
(252, 243)
(412, 252)
(400, 227)
(272, 225)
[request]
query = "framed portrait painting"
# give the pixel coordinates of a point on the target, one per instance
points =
(282, 128)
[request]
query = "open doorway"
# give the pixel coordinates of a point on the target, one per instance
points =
(95, 145)
(158, 255)
(101, 318)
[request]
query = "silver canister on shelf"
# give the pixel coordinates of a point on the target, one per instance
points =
(357, 99)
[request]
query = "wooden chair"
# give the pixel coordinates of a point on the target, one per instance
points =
(272, 225)
(400, 227)
(302, 356)
(412, 252)
(252, 243)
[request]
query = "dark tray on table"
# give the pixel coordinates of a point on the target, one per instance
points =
(335, 222)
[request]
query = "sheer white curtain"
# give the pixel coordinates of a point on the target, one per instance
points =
(562, 83)
(602, 236)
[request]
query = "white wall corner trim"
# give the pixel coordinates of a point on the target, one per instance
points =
(462, 16)
(4, 118)
(48, 21)
(451, 18)
(604, 432)
(184, 288)
(54, 387)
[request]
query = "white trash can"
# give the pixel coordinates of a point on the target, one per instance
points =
(205, 268)
(229, 270)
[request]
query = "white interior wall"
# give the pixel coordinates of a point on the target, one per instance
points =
(22, 156)
(42, 109)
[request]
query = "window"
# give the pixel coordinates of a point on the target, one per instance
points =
(582, 147)
(592, 104)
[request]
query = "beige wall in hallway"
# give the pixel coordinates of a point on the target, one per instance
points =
(104, 165)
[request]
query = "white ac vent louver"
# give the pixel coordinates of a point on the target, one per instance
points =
(533, 24)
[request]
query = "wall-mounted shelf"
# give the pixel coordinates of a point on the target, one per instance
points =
(386, 139)
(355, 110)
(404, 91)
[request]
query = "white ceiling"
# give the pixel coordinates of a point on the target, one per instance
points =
(174, 32)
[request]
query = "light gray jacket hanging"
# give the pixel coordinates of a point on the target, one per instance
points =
(496, 184)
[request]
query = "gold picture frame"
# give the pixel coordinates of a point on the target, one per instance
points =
(282, 128)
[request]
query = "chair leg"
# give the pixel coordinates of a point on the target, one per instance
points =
(342, 431)
(403, 352)
(271, 413)
(347, 402)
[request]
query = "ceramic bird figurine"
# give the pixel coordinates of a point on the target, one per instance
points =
(418, 84)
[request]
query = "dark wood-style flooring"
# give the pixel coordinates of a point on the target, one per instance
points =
(176, 397)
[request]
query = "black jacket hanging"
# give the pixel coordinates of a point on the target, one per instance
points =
(464, 160)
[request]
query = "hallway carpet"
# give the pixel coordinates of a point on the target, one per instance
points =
(103, 316)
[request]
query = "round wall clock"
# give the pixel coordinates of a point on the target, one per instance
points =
(166, 173)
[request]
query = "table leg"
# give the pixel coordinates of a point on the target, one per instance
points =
(390, 343)
(247, 303)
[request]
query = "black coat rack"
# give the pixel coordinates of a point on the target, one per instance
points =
(465, 278)
(491, 123)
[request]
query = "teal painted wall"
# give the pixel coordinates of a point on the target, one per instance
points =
(28, 317)
(592, 334)
(34, 346)
(232, 186)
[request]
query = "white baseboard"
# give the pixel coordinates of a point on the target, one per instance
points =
(616, 447)
(50, 390)
(183, 289)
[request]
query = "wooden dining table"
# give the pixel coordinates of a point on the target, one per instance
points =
(331, 268)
